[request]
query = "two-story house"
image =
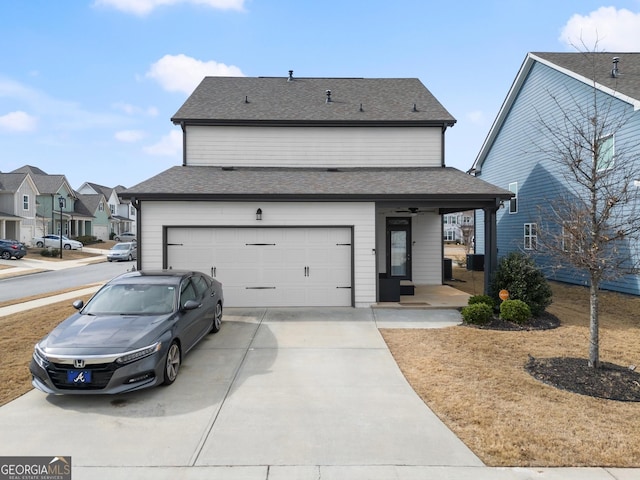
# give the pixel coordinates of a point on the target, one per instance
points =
(18, 197)
(121, 215)
(517, 153)
(58, 209)
(308, 191)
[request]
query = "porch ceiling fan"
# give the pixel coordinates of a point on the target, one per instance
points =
(411, 211)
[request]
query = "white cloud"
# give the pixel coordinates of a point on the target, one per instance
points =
(169, 145)
(144, 7)
(180, 73)
(18, 122)
(134, 110)
(129, 136)
(476, 117)
(605, 29)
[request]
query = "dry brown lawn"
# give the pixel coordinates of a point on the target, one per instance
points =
(473, 379)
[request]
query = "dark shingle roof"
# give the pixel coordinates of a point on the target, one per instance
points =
(298, 183)
(10, 182)
(269, 99)
(598, 67)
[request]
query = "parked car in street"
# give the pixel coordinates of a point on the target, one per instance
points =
(53, 241)
(12, 248)
(132, 334)
(123, 251)
(125, 237)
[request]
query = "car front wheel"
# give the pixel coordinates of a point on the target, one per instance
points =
(39, 244)
(217, 319)
(172, 364)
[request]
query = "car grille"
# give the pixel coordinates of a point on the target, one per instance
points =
(100, 376)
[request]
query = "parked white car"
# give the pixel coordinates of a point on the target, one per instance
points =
(53, 241)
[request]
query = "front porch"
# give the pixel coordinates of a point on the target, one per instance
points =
(429, 296)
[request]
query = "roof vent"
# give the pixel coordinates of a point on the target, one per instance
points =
(414, 109)
(290, 79)
(328, 92)
(614, 70)
(361, 109)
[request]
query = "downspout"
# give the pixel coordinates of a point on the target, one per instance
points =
(138, 206)
(442, 162)
(184, 144)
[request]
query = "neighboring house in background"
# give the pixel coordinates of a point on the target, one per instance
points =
(95, 206)
(18, 197)
(51, 217)
(308, 191)
(122, 213)
(458, 227)
(513, 155)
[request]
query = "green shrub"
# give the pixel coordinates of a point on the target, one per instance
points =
(515, 311)
(50, 252)
(482, 299)
(477, 314)
(88, 239)
(519, 275)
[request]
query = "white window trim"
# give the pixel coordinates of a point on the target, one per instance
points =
(531, 238)
(513, 188)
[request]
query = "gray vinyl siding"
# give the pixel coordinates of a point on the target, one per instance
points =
(516, 155)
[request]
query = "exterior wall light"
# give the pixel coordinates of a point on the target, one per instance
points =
(259, 214)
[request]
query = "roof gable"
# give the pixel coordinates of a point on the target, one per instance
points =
(224, 100)
(585, 67)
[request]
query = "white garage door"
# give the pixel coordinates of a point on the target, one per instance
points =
(268, 267)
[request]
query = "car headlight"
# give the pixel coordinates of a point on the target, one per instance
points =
(138, 354)
(40, 358)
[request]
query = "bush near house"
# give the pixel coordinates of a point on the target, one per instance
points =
(88, 239)
(482, 299)
(515, 311)
(519, 275)
(477, 313)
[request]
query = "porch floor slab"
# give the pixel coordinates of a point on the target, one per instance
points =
(430, 296)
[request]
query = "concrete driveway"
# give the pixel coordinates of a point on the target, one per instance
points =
(281, 390)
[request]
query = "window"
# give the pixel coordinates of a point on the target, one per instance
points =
(101, 207)
(112, 209)
(25, 202)
(530, 236)
(605, 153)
(513, 203)
(571, 235)
(449, 236)
(467, 220)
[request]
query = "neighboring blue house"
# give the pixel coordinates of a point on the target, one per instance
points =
(512, 156)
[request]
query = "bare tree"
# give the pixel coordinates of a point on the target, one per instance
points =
(592, 224)
(467, 232)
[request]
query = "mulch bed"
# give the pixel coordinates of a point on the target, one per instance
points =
(546, 321)
(609, 381)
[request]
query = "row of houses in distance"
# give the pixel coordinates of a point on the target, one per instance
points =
(34, 203)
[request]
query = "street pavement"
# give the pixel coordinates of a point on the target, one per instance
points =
(277, 394)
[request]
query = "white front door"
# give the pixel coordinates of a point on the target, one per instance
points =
(261, 267)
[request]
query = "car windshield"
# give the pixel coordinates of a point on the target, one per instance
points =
(120, 246)
(132, 299)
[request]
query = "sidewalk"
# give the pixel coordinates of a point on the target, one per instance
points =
(30, 264)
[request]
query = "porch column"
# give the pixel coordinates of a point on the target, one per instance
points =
(490, 245)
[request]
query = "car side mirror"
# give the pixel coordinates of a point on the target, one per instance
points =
(191, 305)
(78, 304)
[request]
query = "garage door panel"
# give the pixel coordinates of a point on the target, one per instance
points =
(269, 266)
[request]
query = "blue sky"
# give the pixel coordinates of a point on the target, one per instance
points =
(88, 87)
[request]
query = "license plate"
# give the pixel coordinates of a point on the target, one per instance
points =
(78, 376)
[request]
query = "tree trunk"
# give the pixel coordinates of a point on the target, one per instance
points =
(594, 336)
